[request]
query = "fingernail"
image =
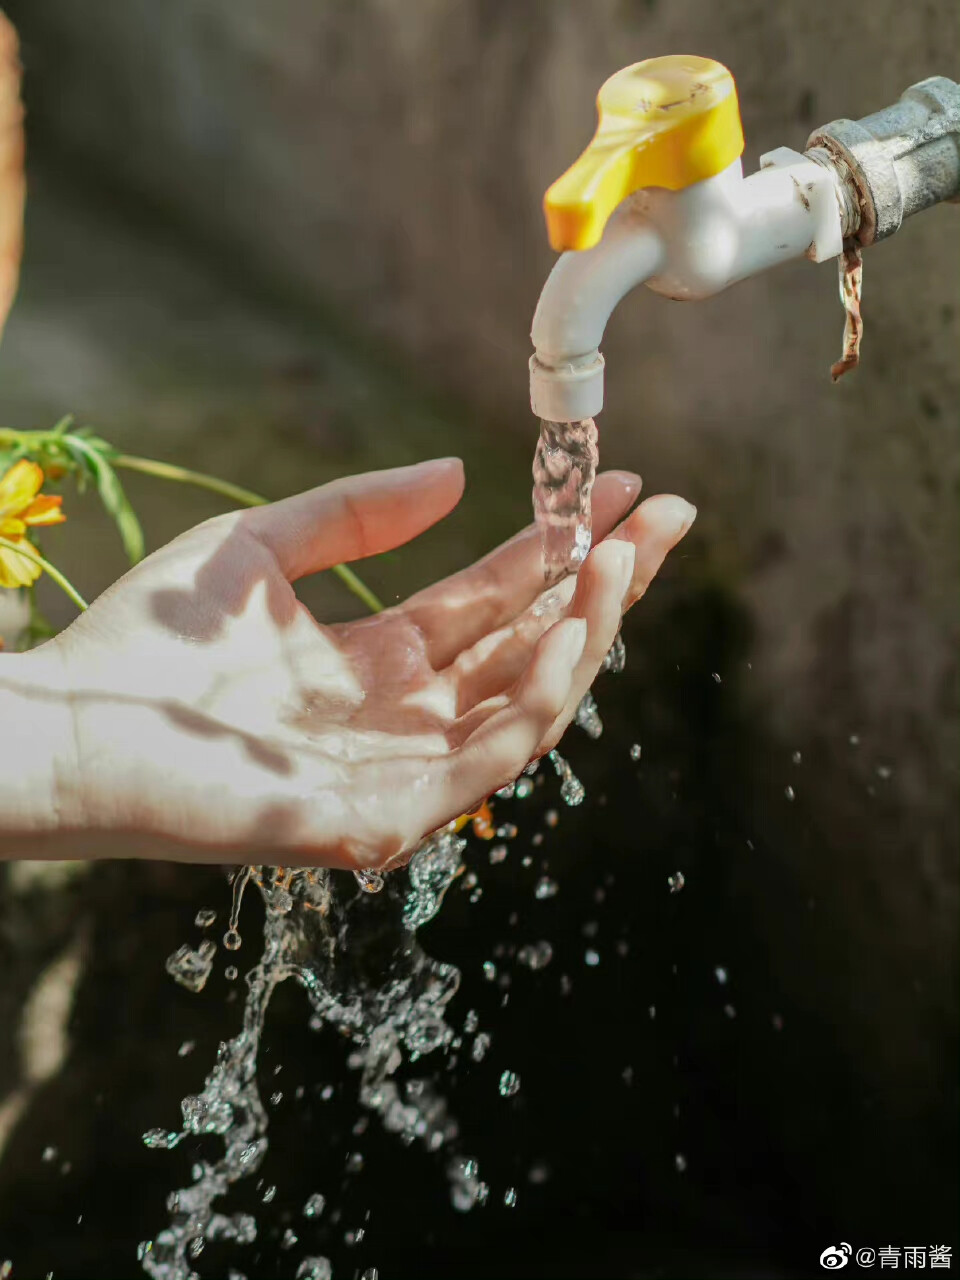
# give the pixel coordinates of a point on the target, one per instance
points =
(630, 481)
(678, 518)
(574, 639)
(626, 559)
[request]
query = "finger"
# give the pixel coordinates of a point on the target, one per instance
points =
(602, 587)
(357, 516)
(652, 531)
(456, 612)
(495, 661)
(654, 528)
(502, 746)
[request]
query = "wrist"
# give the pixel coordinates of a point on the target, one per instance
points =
(40, 796)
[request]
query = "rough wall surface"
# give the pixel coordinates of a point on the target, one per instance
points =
(387, 158)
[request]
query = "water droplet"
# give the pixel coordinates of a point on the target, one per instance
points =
(720, 974)
(369, 881)
(572, 790)
(143, 1248)
(269, 1194)
(371, 1273)
(796, 757)
(636, 751)
(535, 955)
(195, 1247)
(777, 1021)
(188, 1046)
(509, 1084)
(680, 1162)
(497, 853)
(729, 1010)
(538, 1174)
(545, 888)
(884, 771)
(507, 832)
(854, 740)
(192, 968)
(489, 970)
(315, 1269)
(716, 676)
(160, 1139)
(524, 788)
(480, 1046)
(676, 882)
(49, 1153)
(354, 1162)
(587, 717)
(551, 817)
(591, 958)
(510, 1197)
(471, 1021)
(314, 1206)
(623, 947)
(231, 973)
(232, 940)
(789, 792)
(289, 1239)
(652, 1011)
(616, 658)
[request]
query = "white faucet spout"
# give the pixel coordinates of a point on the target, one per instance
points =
(566, 371)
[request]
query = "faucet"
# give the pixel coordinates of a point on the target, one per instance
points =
(659, 197)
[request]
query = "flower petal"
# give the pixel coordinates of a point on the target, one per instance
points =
(17, 571)
(11, 527)
(44, 509)
(19, 487)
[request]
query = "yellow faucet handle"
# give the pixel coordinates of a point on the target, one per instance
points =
(666, 122)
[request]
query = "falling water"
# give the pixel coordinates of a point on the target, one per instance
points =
(564, 468)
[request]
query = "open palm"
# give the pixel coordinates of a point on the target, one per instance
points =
(213, 716)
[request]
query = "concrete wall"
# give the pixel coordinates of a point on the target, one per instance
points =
(385, 160)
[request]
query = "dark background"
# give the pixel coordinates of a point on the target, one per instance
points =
(286, 242)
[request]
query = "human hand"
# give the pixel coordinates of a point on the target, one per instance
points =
(212, 718)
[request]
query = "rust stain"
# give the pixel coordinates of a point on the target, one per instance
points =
(850, 264)
(800, 196)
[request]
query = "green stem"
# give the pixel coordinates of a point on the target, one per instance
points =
(63, 583)
(167, 471)
(245, 498)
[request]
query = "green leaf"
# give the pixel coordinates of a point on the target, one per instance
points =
(118, 505)
(115, 501)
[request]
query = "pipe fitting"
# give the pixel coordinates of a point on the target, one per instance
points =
(895, 162)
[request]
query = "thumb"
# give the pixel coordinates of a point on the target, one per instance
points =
(357, 516)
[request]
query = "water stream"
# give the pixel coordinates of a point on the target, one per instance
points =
(351, 944)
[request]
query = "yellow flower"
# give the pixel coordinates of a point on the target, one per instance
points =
(22, 505)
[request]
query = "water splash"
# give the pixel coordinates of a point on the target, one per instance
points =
(306, 915)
